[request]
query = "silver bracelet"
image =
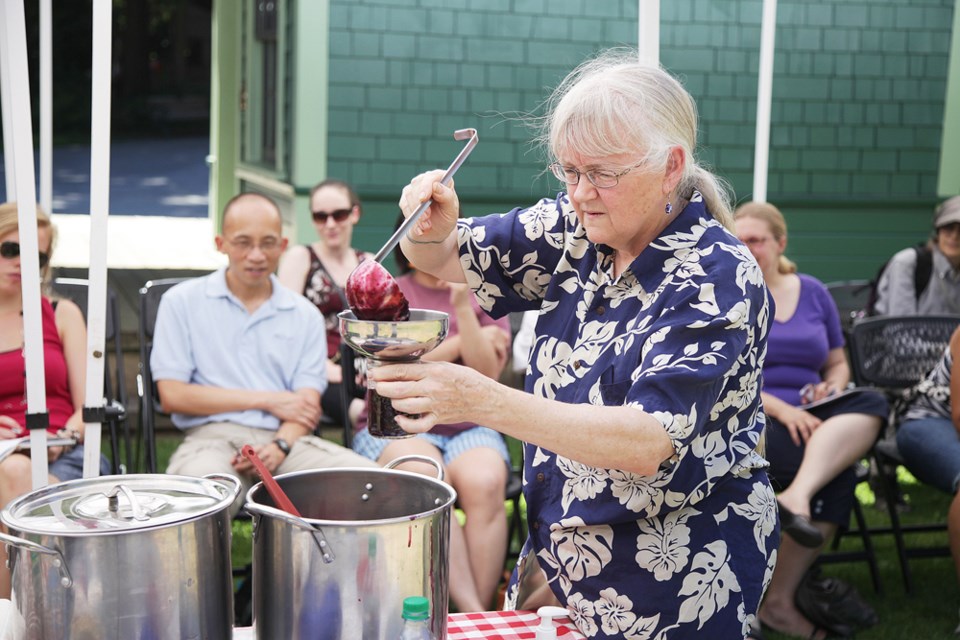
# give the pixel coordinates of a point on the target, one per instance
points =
(410, 238)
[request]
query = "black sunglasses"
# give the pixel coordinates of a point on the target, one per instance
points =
(10, 249)
(338, 216)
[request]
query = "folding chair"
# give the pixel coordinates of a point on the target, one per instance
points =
(893, 353)
(150, 295)
(114, 382)
(868, 554)
(850, 296)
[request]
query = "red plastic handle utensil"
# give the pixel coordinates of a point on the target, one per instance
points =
(279, 497)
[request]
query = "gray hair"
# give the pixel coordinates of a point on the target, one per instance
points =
(616, 104)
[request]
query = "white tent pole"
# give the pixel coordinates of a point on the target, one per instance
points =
(648, 33)
(46, 106)
(37, 418)
(99, 207)
(6, 109)
(761, 151)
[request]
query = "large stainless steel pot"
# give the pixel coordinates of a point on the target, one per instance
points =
(368, 538)
(124, 558)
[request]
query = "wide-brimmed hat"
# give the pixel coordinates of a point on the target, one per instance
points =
(947, 213)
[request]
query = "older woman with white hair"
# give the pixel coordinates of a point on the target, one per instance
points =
(650, 511)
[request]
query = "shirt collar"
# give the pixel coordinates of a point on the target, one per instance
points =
(280, 297)
(942, 266)
(685, 230)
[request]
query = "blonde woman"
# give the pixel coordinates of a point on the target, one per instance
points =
(64, 348)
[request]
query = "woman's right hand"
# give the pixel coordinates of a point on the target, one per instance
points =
(9, 428)
(801, 424)
(440, 219)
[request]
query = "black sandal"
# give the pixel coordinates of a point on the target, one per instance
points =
(799, 528)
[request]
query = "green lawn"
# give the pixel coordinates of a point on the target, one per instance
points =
(930, 612)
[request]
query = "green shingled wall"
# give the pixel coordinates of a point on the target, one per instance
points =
(857, 110)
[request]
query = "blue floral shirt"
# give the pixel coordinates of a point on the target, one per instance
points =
(680, 334)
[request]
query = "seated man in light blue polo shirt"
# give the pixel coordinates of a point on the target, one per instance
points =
(239, 359)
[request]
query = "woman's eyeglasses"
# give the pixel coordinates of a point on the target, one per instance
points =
(600, 178)
(755, 242)
(338, 216)
(10, 249)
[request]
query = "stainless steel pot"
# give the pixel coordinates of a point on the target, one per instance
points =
(124, 558)
(368, 538)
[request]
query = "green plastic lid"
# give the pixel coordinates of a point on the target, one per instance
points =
(416, 608)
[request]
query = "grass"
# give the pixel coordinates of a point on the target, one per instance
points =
(930, 612)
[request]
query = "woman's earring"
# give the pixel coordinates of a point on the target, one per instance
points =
(669, 208)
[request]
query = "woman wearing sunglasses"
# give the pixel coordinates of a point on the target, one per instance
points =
(64, 348)
(319, 271)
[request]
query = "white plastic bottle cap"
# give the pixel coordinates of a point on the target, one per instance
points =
(546, 630)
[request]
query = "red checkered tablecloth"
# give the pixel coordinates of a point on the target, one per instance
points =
(504, 625)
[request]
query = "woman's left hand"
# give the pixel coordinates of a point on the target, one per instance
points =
(440, 392)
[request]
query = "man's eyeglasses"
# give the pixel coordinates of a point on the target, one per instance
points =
(338, 216)
(246, 245)
(10, 249)
(600, 178)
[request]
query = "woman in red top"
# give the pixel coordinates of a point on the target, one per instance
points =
(64, 347)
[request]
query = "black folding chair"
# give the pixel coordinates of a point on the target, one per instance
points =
(150, 295)
(894, 353)
(114, 382)
(851, 298)
(869, 553)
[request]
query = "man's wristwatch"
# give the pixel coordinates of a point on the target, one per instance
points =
(283, 445)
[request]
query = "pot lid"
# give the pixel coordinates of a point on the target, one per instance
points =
(115, 504)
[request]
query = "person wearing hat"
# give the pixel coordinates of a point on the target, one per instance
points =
(898, 293)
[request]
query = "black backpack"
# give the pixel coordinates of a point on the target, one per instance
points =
(921, 278)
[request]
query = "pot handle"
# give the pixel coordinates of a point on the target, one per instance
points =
(66, 580)
(263, 510)
(426, 459)
(226, 478)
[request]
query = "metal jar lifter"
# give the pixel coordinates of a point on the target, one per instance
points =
(368, 538)
(133, 557)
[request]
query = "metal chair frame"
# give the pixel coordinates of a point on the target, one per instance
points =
(150, 295)
(114, 379)
(851, 297)
(893, 353)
